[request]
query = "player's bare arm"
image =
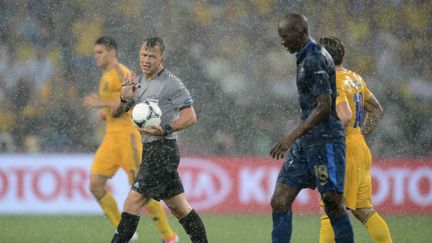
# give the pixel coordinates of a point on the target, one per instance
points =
(321, 111)
(187, 118)
(344, 113)
(374, 113)
(129, 85)
(94, 101)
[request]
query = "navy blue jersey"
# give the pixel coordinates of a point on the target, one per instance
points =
(316, 75)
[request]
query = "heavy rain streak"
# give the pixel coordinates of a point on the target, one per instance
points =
(70, 152)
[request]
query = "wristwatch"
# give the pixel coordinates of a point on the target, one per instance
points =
(167, 130)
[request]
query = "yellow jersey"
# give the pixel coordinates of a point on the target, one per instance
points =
(109, 90)
(352, 88)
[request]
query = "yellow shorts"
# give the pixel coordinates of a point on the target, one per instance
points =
(358, 187)
(357, 182)
(118, 149)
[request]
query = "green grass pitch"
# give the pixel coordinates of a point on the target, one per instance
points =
(220, 229)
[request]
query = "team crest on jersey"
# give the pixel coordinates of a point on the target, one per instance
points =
(302, 71)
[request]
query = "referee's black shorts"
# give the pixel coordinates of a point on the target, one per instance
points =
(158, 177)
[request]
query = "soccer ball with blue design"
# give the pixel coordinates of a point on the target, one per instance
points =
(146, 114)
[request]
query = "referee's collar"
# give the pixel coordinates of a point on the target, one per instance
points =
(160, 72)
(157, 75)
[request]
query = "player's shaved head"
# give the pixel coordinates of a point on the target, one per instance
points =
(294, 22)
(293, 30)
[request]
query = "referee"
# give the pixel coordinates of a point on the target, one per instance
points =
(158, 177)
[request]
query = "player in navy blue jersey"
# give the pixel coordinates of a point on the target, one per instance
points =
(317, 146)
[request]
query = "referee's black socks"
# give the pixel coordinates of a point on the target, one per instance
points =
(126, 228)
(194, 227)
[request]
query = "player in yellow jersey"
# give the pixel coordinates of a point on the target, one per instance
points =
(121, 147)
(359, 110)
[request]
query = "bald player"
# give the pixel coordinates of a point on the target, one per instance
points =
(316, 157)
(359, 111)
(121, 146)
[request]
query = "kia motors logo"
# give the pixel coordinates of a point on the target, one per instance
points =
(206, 184)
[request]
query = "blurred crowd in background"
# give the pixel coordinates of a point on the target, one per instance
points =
(227, 53)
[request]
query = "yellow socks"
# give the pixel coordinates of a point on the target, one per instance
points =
(375, 225)
(110, 209)
(326, 231)
(377, 228)
(157, 213)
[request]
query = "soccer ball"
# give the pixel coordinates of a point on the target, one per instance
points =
(146, 114)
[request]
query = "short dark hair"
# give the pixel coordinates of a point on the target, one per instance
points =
(154, 41)
(107, 41)
(335, 47)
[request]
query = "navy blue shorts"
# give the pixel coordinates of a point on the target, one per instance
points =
(320, 166)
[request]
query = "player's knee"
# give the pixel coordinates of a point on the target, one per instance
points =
(97, 189)
(179, 211)
(363, 214)
(280, 203)
(332, 206)
(175, 210)
(133, 204)
(130, 207)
